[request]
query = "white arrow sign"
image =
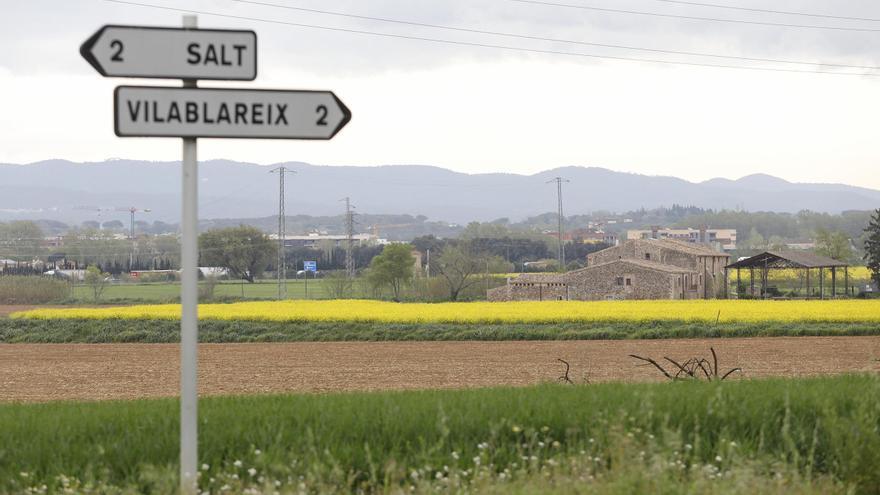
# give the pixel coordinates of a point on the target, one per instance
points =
(142, 111)
(154, 52)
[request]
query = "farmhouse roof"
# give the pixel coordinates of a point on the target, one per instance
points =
(649, 265)
(688, 247)
(787, 259)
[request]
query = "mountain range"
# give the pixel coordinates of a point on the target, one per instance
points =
(75, 192)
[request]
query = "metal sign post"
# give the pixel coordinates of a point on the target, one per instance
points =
(189, 307)
(191, 112)
(309, 266)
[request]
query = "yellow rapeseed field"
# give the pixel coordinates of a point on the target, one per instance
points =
(485, 312)
(856, 273)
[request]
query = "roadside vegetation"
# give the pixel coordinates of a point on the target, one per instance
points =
(71, 331)
(745, 436)
(31, 290)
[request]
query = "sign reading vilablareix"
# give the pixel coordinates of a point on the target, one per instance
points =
(176, 53)
(227, 113)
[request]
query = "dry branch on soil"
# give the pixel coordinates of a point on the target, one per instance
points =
(691, 368)
(565, 378)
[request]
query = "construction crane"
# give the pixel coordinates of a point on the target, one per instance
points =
(132, 210)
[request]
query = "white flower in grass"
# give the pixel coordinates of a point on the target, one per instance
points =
(717, 458)
(205, 467)
(258, 452)
(252, 472)
(237, 463)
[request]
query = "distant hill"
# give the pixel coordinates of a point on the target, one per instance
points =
(74, 192)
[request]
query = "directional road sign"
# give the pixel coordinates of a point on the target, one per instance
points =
(310, 266)
(227, 113)
(177, 53)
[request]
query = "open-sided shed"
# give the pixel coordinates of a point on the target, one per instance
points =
(787, 260)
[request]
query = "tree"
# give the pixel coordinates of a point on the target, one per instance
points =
(460, 264)
(756, 240)
(835, 245)
(338, 285)
(20, 240)
(392, 268)
(872, 246)
(113, 225)
(243, 251)
(96, 280)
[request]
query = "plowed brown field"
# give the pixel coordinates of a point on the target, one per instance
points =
(43, 372)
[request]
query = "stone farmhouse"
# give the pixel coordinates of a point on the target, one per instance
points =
(636, 269)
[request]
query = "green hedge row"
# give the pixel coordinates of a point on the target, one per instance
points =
(159, 331)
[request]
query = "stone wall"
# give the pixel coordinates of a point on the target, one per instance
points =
(604, 282)
(531, 287)
(708, 267)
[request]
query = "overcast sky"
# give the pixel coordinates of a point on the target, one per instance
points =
(477, 109)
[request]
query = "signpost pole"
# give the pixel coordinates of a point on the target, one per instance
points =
(189, 298)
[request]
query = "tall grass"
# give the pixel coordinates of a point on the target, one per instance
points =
(816, 434)
(32, 290)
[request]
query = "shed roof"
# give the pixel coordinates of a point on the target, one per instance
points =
(787, 259)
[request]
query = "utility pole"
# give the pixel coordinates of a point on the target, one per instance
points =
(559, 232)
(282, 227)
(349, 233)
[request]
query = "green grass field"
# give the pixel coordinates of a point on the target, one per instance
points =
(170, 291)
(61, 331)
(817, 435)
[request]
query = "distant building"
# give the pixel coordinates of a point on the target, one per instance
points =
(636, 269)
(313, 240)
(724, 239)
(587, 236)
(800, 246)
(595, 236)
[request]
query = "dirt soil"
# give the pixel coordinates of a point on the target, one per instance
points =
(45, 372)
(6, 309)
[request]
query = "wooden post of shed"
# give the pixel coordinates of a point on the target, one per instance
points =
(764, 281)
(821, 283)
(726, 285)
(752, 280)
(846, 280)
(809, 292)
(737, 282)
(833, 282)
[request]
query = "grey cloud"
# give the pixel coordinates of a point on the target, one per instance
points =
(42, 35)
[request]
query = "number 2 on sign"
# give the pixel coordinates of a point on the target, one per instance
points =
(117, 55)
(322, 120)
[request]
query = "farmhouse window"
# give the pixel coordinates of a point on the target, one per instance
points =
(648, 256)
(629, 282)
(619, 280)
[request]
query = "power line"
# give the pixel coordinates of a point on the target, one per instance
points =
(770, 11)
(541, 38)
(693, 18)
(485, 45)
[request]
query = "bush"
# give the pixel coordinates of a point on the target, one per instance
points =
(206, 288)
(31, 290)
